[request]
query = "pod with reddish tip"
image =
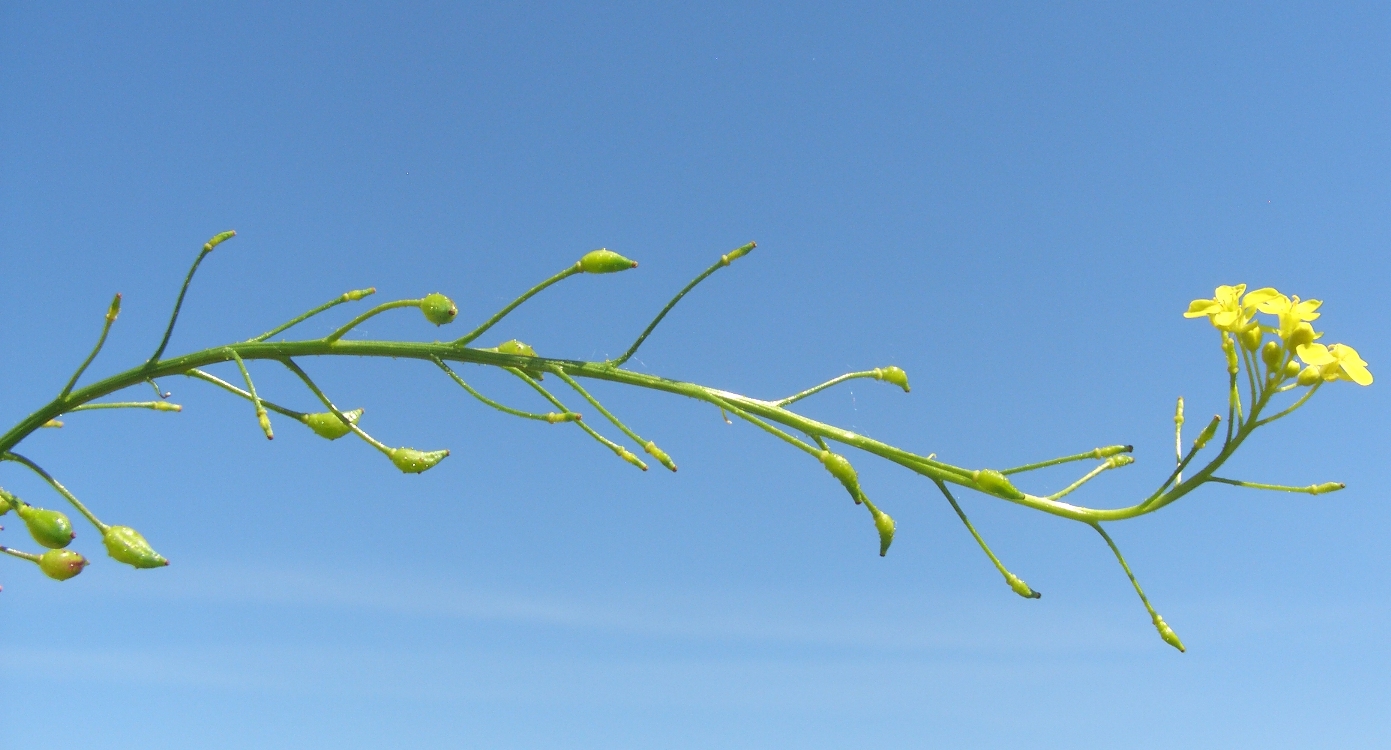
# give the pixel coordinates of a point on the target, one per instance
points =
(126, 545)
(438, 309)
(994, 483)
(893, 374)
(50, 528)
(412, 461)
(327, 425)
(61, 564)
(604, 261)
(1207, 433)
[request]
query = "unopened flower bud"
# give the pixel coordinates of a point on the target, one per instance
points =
(1229, 349)
(892, 374)
(660, 455)
(126, 545)
(1302, 335)
(48, 527)
(358, 294)
(327, 425)
(114, 310)
(1272, 354)
(412, 461)
(1310, 375)
(1207, 433)
(217, 239)
(604, 261)
(1291, 369)
(737, 253)
(61, 564)
(1021, 588)
(993, 482)
(841, 469)
(1167, 633)
(1319, 489)
(438, 309)
(1251, 338)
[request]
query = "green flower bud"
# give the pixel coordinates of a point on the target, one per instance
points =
(660, 455)
(1229, 349)
(1291, 369)
(1272, 354)
(737, 253)
(61, 564)
(892, 374)
(1319, 489)
(114, 310)
(126, 545)
(841, 469)
(358, 294)
(604, 261)
(1251, 338)
(327, 425)
(994, 483)
(1021, 588)
(217, 239)
(1167, 633)
(438, 309)
(1302, 334)
(412, 461)
(48, 527)
(1207, 432)
(884, 525)
(1310, 375)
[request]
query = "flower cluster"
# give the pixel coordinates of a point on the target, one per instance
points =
(1232, 310)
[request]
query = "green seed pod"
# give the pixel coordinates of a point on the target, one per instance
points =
(1021, 588)
(659, 454)
(48, 527)
(1229, 349)
(1310, 375)
(1207, 433)
(327, 425)
(737, 253)
(885, 526)
(114, 310)
(358, 294)
(5, 498)
(1117, 461)
(1272, 354)
(893, 374)
(126, 545)
(218, 239)
(1319, 489)
(841, 469)
(1251, 338)
(604, 261)
(516, 348)
(438, 309)
(1112, 450)
(61, 564)
(1167, 633)
(994, 483)
(1291, 369)
(412, 461)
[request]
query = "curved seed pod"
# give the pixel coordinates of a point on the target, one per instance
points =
(126, 545)
(412, 461)
(1229, 349)
(994, 483)
(1272, 354)
(61, 564)
(327, 425)
(1167, 633)
(884, 524)
(216, 240)
(48, 527)
(893, 374)
(841, 469)
(1319, 489)
(1017, 584)
(438, 309)
(604, 261)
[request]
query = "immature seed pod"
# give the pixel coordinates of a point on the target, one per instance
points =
(1207, 433)
(885, 525)
(1021, 588)
(1272, 354)
(412, 461)
(327, 425)
(61, 564)
(841, 469)
(1310, 375)
(438, 309)
(1112, 450)
(48, 527)
(1319, 489)
(126, 545)
(604, 261)
(1229, 349)
(516, 348)
(994, 483)
(893, 374)
(659, 454)
(1167, 633)
(1251, 338)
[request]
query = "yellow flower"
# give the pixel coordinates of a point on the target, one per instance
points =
(1337, 362)
(1228, 310)
(1285, 306)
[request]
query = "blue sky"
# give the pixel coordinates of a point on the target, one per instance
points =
(1014, 203)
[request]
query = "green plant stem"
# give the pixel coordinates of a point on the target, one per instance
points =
(12, 456)
(721, 263)
(101, 341)
(352, 424)
(261, 417)
(647, 444)
(155, 405)
(1313, 489)
(31, 557)
(1126, 567)
(817, 389)
(379, 309)
(220, 383)
(179, 302)
(552, 417)
(1096, 453)
(1292, 407)
(618, 450)
(1085, 478)
(500, 314)
(986, 548)
(340, 299)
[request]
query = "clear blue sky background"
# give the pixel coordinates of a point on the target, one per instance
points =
(1014, 203)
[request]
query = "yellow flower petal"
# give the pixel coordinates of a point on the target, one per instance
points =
(1315, 354)
(1260, 297)
(1200, 307)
